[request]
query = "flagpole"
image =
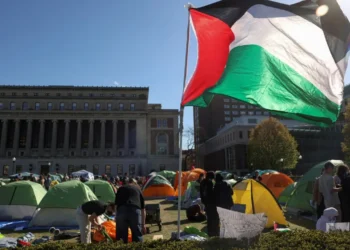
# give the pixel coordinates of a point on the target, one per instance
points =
(188, 6)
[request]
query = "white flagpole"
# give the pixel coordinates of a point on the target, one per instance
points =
(188, 6)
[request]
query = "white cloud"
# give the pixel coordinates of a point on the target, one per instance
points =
(116, 83)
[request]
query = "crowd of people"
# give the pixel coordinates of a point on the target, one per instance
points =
(331, 195)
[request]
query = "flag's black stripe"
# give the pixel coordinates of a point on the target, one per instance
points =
(334, 24)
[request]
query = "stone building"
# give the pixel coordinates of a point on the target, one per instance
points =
(105, 130)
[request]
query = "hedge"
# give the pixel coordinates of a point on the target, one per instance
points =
(288, 240)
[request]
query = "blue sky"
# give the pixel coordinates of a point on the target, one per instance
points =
(100, 43)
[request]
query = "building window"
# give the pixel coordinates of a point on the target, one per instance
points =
(108, 169)
(95, 169)
(2, 94)
(62, 106)
(162, 144)
(226, 106)
(109, 106)
(133, 95)
(250, 106)
(12, 106)
(227, 118)
(101, 95)
(120, 171)
(96, 153)
(58, 94)
(49, 106)
(120, 153)
(132, 106)
(266, 113)
(161, 167)
(258, 112)
(162, 123)
(226, 100)
(240, 135)
(74, 106)
(121, 106)
(91, 95)
(19, 169)
(72, 153)
(13, 93)
(235, 112)
(5, 170)
(86, 106)
(35, 94)
(250, 113)
(84, 153)
(25, 94)
(242, 106)
(252, 121)
(9, 153)
(243, 112)
(234, 106)
(1, 105)
(47, 94)
(70, 169)
(132, 170)
(227, 112)
(98, 106)
(83, 167)
(69, 94)
(24, 106)
(37, 106)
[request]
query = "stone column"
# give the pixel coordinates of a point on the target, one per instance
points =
(66, 138)
(103, 136)
(91, 136)
(54, 137)
(16, 137)
(114, 142)
(78, 145)
(3, 137)
(41, 137)
(126, 137)
(29, 137)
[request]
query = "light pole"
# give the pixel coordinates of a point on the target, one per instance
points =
(13, 165)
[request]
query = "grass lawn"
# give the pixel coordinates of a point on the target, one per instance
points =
(169, 221)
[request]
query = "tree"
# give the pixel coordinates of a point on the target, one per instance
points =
(346, 132)
(271, 146)
(190, 154)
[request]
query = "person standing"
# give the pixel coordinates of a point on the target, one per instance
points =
(88, 214)
(209, 201)
(47, 182)
(131, 213)
(328, 189)
(223, 193)
(342, 171)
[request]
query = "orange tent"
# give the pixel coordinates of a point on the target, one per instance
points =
(158, 186)
(276, 182)
(187, 177)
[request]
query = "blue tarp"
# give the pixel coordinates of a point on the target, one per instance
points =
(11, 225)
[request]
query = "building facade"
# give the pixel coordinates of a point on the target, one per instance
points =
(228, 149)
(105, 130)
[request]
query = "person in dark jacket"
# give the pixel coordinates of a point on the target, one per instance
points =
(223, 193)
(209, 201)
(131, 213)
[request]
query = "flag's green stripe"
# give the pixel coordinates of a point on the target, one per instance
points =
(255, 76)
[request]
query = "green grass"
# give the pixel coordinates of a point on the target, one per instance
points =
(169, 221)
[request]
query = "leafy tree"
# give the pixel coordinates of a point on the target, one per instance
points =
(346, 132)
(271, 146)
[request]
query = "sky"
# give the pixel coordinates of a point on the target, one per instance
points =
(101, 43)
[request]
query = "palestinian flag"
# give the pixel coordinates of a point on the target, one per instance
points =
(283, 58)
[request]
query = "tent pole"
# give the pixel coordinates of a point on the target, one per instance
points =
(188, 6)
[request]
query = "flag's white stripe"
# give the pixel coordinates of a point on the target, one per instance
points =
(296, 42)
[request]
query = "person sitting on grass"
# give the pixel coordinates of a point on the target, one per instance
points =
(88, 214)
(329, 216)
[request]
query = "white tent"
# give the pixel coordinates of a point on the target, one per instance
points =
(84, 174)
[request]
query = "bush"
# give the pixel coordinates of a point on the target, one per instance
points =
(288, 240)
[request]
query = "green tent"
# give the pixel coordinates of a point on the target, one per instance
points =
(58, 207)
(301, 196)
(169, 175)
(56, 177)
(18, 200)
(286, 193)
(102, 189)
(192, 193)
